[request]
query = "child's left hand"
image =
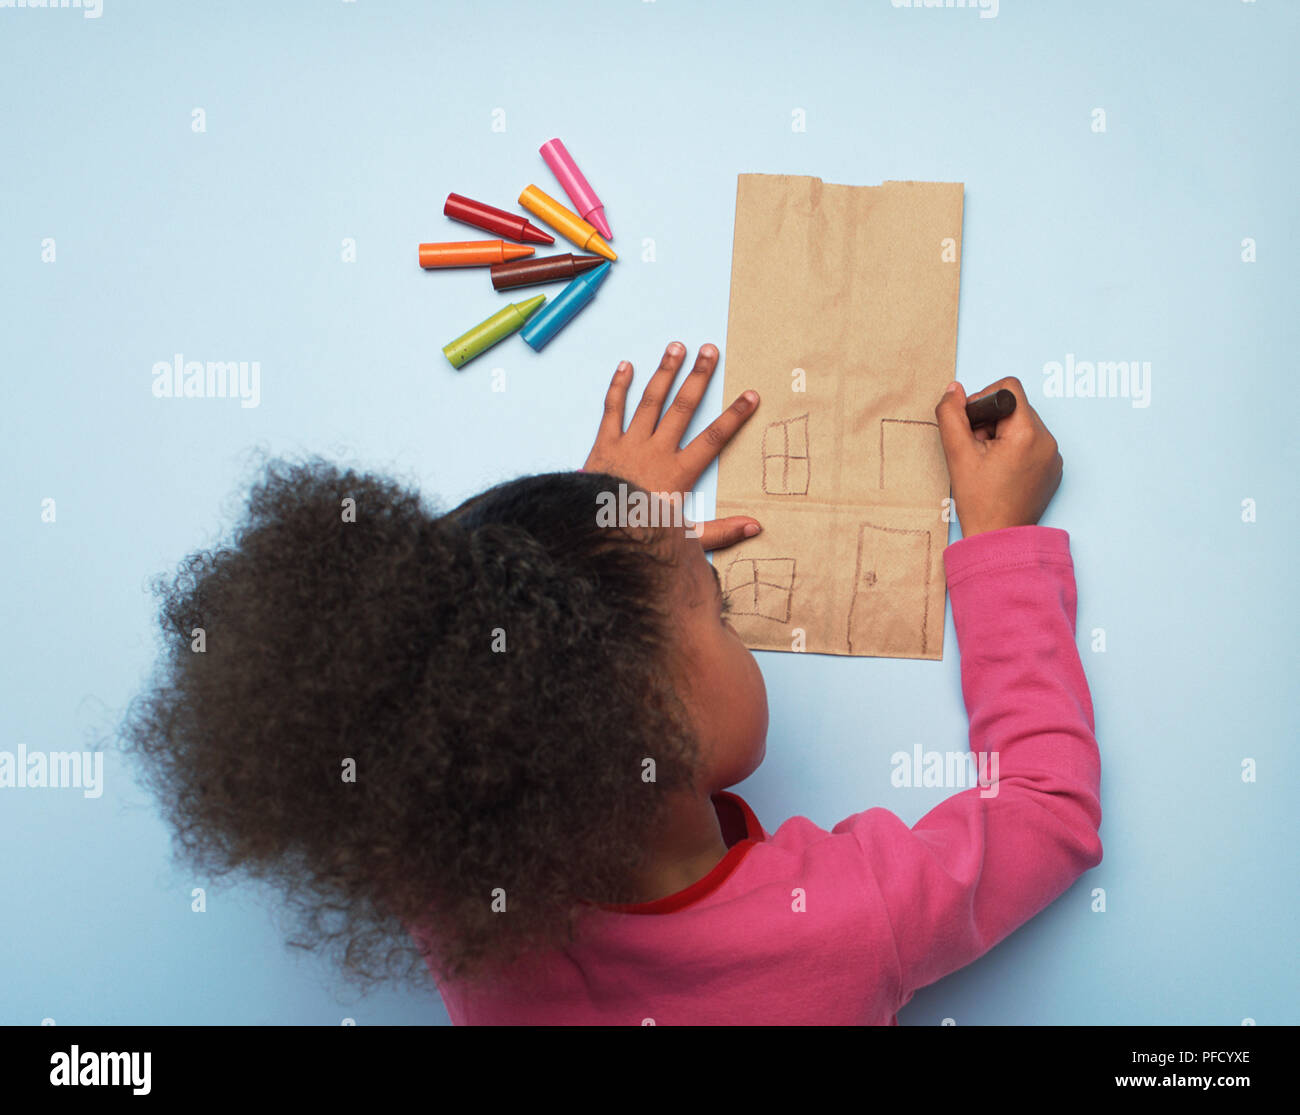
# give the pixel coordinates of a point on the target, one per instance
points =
(648, 453)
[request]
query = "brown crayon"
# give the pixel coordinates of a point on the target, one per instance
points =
(987, 411)
(544, 269)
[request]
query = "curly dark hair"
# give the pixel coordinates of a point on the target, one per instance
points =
(377, 637)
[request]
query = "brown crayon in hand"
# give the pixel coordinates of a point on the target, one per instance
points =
(986, 411)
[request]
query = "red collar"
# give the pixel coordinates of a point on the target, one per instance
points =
(740, 830)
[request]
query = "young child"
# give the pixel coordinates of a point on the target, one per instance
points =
(498, 741)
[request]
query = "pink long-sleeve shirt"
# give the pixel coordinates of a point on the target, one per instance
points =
(809, 926)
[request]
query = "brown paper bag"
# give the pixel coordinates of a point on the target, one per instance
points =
(844, 318)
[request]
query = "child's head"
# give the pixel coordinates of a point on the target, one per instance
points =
(400, 717)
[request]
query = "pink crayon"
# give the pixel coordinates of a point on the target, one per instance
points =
(584, 198)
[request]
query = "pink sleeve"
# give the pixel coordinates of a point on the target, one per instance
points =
(977, 867)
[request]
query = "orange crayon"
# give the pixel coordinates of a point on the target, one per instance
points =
(565, 221)
(471, 253)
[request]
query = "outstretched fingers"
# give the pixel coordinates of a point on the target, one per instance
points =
(715, 534)
(656, 391)
(678, 416)
(706, 446)
(611, 422)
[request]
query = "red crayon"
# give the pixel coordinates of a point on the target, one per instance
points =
(488, 217)
(543, 269)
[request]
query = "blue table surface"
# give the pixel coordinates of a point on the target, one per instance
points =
(248, 182)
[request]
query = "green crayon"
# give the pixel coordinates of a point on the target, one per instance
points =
(487, 332)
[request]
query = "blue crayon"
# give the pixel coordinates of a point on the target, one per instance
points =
(550, 319)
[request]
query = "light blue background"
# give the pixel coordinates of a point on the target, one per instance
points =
(328, 120)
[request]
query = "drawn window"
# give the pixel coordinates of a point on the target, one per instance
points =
(760, 587)
(911, 453)
(785, 457)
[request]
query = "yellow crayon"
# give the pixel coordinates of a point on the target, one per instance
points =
(565, 221)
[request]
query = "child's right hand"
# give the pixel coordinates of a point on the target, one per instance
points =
(1002, 481)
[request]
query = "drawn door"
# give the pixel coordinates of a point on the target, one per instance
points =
(891, 591)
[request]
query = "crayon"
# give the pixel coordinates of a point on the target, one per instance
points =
(487, 332)
(491, 219)
(544, 269)
(565, 221)
(471, 253)
(589, 206)
(986, 411)
(565, 307)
